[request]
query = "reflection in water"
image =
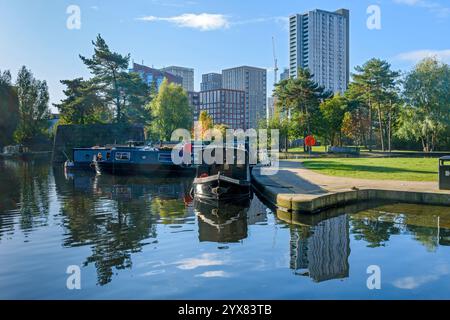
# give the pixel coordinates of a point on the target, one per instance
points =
(321, 251)
(222, 223)
(145, 227)
(227, 222)
(24, 190)
(116, 214)
(430, 225)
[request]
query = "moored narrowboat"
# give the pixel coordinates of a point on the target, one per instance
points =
(224, 181)
(147, 160)
(82, 158)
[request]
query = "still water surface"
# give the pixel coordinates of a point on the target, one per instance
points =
(144, 238)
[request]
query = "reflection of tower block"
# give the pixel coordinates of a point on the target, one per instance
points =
(321, 252)
(299, 251)
(329, 249)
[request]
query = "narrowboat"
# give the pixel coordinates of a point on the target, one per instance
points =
(82, 158)
(224, 181)
(131, 160)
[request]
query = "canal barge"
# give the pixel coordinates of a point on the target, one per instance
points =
(82, 158)
(146, 160)
(225, 181)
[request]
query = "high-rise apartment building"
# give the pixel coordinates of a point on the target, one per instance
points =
(225, 106)
(284, 75)
(253, 81)
(319, 41)
(187, 74)
(211, 81)
(151, 75)
(194, 102)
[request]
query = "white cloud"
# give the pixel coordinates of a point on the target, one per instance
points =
(202, 21)
(416, 56)
(206, 260)
(208, 21)
(214, 274)
(434, 7)
(412, 282)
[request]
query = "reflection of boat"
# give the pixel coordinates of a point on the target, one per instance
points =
(225, 181)
(222, 222)
(20, 152)
(139, 187)
(133, 159)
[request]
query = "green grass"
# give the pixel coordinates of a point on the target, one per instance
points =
(405, 169)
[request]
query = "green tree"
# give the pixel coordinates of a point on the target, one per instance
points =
(333, 111)
(126, 92)
(34, 113)
(170, 110)
(205, 122)
(283, 125)
(375, 84)
(9, 109)
(83, 104)
(426, 116)
(301, 96)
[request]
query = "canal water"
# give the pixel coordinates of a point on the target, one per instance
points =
(144, 238)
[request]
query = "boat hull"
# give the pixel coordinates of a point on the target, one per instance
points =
(221, 188)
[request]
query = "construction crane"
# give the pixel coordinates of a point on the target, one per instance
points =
(275, 68)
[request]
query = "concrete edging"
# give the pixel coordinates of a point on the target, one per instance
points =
(313, 203)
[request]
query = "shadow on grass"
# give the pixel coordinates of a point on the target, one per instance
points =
(331, 165)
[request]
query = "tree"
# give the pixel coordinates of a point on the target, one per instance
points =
(302, 96)
(376, 84)
(170, 110)
(83, 104)
(333, 111)
(33, 107)
(136, 95)
(9, 109)
(205, 122)
(283, 125)
(125, 91)
(222, 128)
(426, 116)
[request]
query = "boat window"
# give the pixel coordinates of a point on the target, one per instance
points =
(124, 156)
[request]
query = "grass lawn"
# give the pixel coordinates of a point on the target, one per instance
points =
(406, 169)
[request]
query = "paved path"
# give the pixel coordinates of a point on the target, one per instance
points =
(294, 185)
(292, 174)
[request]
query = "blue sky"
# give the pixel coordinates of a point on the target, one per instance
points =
(207, 35)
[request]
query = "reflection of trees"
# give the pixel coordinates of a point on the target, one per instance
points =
(117, 216)
(375, 231)
(24, 186)
(429, 225)
(321, 251)
(171, 211)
